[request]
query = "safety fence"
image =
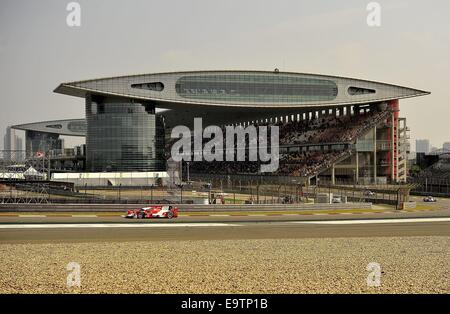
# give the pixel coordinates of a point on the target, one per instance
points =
(182, 207)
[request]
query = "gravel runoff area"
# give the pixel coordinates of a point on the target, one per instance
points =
(338, 265)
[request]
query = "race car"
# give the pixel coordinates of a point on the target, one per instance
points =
(429, 199)
(369, 193)
(336, 199)
(164, 211)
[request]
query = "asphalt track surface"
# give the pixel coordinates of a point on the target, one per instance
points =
(89, 228)
(57, 233)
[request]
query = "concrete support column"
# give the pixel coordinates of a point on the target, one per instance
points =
(392, 148)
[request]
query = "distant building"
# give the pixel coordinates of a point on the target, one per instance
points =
(13, 145)
(446, 145)
(423, 146)
(44, 137)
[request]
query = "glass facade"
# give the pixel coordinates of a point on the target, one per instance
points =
(256, 88)
(77, 126)
(123, 135)
(41, 142)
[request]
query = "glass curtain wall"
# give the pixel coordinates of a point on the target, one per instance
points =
(123, 135)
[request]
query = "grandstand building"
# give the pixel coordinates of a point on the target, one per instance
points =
(331, 128)
(44, 137)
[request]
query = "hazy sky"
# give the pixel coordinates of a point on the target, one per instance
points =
(117, 37)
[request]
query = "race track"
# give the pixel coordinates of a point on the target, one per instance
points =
(433, 220)
(246, 252)
(47, 233)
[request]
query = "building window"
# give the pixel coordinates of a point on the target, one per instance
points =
(256, 88)
(155, 86)
(54, 126)
(360, 91)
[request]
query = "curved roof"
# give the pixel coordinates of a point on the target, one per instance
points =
(243, 89)
(72, 127)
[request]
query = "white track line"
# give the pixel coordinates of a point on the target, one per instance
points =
(372, 221)
(122, 225)
(32, 216)
(84, 216)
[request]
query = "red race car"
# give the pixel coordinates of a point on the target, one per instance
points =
(164, 211)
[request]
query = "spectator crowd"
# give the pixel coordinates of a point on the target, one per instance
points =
(328, 129)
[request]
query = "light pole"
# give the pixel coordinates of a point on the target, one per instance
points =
(187, 170)
(151, 193)
(181, 194)
(209, 192)
(329, 193)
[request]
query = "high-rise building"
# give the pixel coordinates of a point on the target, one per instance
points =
(446, 145)
(12, 145)
(423, 146)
